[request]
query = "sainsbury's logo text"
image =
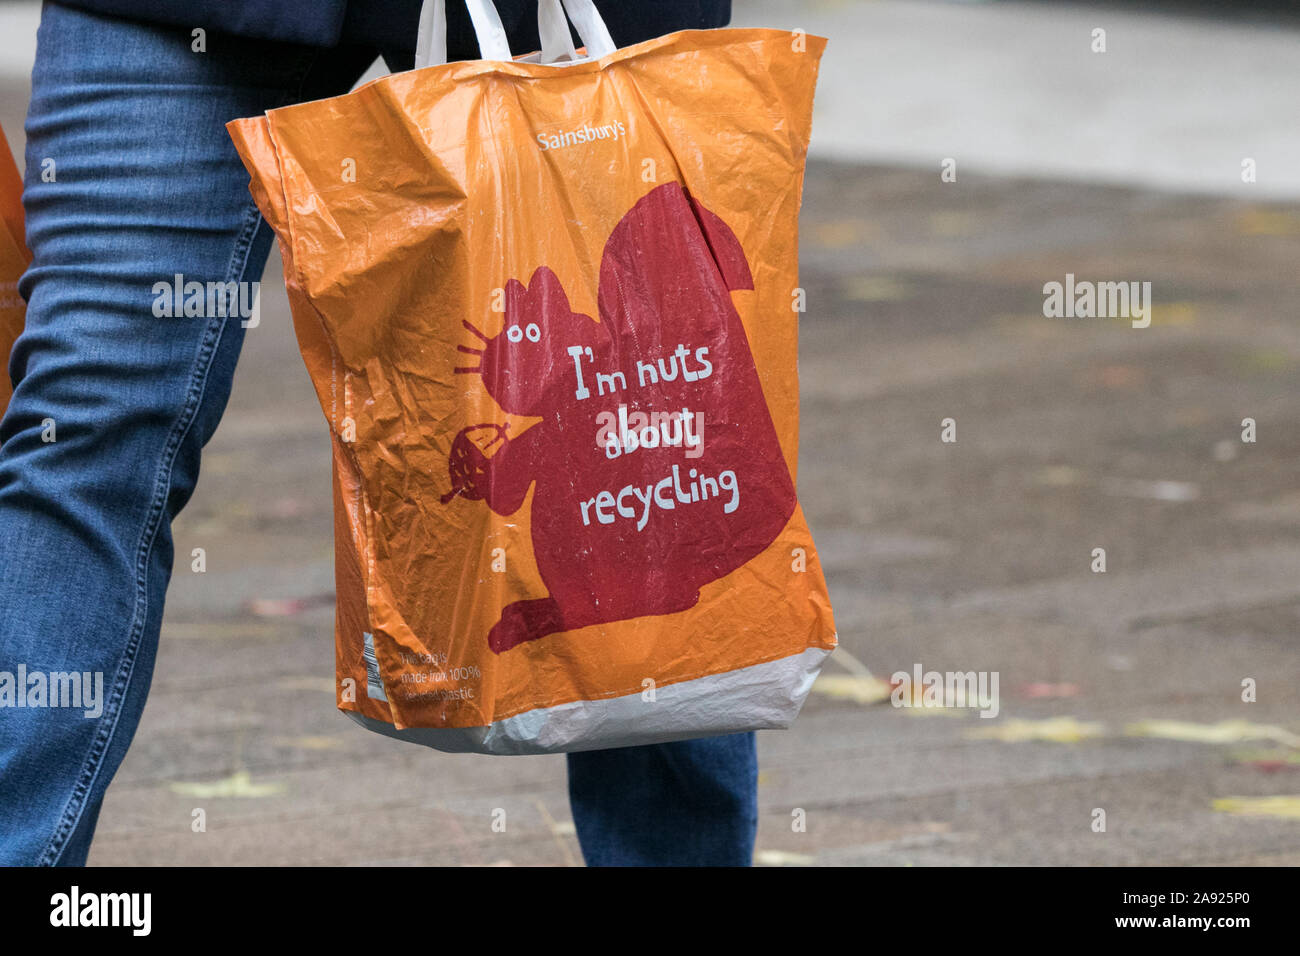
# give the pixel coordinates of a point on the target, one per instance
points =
(583, 134)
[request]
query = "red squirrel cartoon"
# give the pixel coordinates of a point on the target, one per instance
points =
(656, 465)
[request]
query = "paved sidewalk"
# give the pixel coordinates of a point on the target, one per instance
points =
(925, 303)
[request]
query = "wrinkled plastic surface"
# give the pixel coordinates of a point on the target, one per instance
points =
(549, 315)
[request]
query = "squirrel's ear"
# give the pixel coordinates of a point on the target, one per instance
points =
(545, 295)
(725, 247)
(515, 295)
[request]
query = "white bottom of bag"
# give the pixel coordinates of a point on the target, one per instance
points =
(765, 696)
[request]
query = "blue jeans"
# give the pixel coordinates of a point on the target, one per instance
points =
(146, 184)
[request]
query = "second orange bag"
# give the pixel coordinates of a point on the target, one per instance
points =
(549, 307)
(14, 259)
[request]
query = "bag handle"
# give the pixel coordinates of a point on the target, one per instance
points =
(589, 23)
(431, 39)
(552, 28)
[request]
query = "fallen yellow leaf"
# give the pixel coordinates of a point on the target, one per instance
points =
(1287, 807)
(859, 689)
(237, 785)
(1173, 313)
(1059, 730)
(840, 234)
(1275, 755)
(1267, 222)
(781, 858)
(1224, 732)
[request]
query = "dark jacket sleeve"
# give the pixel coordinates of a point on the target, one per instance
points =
(391, 24)
(312, 22)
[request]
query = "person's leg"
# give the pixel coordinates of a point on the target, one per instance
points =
(131, 180)
(692, 803)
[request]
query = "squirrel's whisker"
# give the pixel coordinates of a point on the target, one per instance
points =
(469, 325)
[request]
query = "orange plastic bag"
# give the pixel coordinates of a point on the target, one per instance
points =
(14, 259)
(550, 312)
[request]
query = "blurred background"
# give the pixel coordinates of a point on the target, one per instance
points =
(1120, 691)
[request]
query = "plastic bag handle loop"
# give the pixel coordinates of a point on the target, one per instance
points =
(553, 28)
(590, 26)
(557, 43)
(431, 38)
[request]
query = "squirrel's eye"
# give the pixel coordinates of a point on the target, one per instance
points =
(515, 333)
(533, 332)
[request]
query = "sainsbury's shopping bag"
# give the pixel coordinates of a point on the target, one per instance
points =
(547, 307)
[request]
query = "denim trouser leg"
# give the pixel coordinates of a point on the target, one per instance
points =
(131, 180)
(692, 803)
